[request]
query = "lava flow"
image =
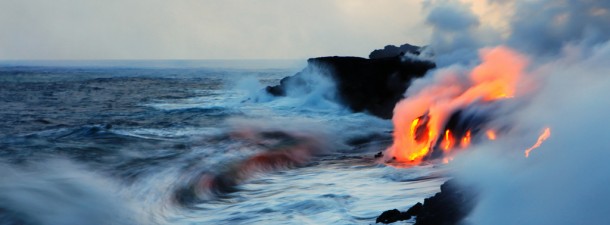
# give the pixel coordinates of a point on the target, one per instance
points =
(545, 134)
(421, 121)
(491, 135)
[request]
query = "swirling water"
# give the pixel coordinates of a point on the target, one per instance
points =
(171, 142)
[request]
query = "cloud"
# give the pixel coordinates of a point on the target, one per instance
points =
(452, 17)
(457, 31)
(544, 27)
(203, 29)
(539, 27)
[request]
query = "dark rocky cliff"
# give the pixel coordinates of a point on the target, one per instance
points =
(369, 85)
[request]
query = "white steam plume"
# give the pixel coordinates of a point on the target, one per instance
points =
(565, 180)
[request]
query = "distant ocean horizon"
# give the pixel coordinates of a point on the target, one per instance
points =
(160, 63)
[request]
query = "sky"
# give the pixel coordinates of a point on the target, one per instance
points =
(205, 29)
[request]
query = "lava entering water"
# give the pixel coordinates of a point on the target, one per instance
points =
(421, 120)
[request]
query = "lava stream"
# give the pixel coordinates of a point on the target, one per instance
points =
(420, 120)
(545, 135)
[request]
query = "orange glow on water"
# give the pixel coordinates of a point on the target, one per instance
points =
(545, 135)
(446, 160)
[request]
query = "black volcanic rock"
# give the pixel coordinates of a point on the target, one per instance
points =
(394, 215)
(393, 51)
(371, 85)
(391, 216)
(448, 207)
(415, 209)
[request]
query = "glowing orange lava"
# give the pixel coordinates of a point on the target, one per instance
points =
(448, 141)
(545, 135)
(491, 135)
(420, 119)
(465, 140)
(414, 126)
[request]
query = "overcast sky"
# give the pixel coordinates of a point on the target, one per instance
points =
(205, 29)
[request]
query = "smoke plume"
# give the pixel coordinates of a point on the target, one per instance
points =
(565, 179)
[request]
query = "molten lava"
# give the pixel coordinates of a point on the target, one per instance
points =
(448, 141)
(491, 135)
(466, 140)
(545, 135)
(420, 120)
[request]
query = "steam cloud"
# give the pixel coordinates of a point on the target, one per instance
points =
(565, 181)
(541, 27)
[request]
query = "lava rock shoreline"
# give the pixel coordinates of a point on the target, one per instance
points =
(371, 85)
(448, 207)
(375, 85)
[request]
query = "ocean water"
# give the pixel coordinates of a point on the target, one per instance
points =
(189, 142)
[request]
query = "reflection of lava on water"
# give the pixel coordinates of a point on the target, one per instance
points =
(454, 111)
(280, 150)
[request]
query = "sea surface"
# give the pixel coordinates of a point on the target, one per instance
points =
(189, 142)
